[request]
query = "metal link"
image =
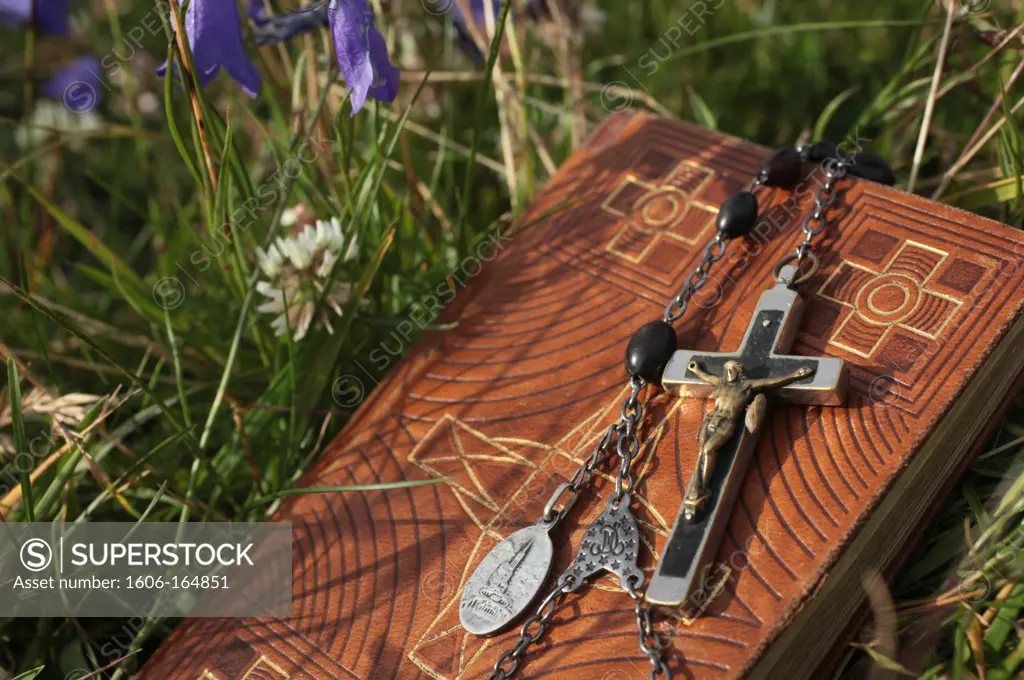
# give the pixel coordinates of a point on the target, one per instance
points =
(508, 662)
(581, 478)
(549, 507)
(824, 197)
(713, 252)
(525, 642)
(628, 444)
(650, 643)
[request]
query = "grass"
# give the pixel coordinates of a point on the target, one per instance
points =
(119, 280)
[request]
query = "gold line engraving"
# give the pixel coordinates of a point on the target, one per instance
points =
(914, 291)
(660, 228)
(262, 664)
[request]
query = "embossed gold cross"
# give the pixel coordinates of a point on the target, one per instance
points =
(737, 381)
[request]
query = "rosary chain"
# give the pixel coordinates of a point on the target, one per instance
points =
(627, 442)
(508, 662)
(713, 252)
(627, 446)
(650, 643)
(579, 480)
(632, 413)
(824, 196)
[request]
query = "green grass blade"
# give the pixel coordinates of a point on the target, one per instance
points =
(247, 302)
(90, 241)
(172, 122)
(792, 29)
(311, 490)
(702, 113)
(481, 96)
(829, 111)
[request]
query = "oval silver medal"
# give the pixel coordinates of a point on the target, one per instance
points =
(507, 581)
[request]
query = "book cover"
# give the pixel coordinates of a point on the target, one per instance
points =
(919, 299)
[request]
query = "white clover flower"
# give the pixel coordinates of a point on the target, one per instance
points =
(298, 269)
(290, 216)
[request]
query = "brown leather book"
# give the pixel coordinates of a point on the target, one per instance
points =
(919, 299)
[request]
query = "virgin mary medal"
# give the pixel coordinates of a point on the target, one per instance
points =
(507, 580)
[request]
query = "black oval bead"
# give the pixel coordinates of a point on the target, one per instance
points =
(783, 169)
(872, 167)
(738, 215)
(649, 350)
(820, 151)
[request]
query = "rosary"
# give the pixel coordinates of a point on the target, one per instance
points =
(511, 576)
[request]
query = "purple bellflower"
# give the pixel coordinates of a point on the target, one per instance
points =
(362, 53)
(214, 30)
(77, 85)
(51, 15)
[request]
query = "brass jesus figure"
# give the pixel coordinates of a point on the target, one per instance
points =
(735, 394)
(726, 442)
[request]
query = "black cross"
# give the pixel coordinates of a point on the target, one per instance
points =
(693, 543)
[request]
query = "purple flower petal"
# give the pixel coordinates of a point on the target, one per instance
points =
(51, 15)
(362, 53)
(77, 85)
(214, 30)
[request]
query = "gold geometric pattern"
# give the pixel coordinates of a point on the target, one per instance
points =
(453, 450)
(262, 669)
(895, 297)
(652, 212)
(468, 459)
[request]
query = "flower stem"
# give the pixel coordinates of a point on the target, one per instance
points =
(193, 86)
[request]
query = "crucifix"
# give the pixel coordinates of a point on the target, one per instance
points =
(740, 383)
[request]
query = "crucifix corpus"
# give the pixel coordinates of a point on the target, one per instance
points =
(740, 384)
